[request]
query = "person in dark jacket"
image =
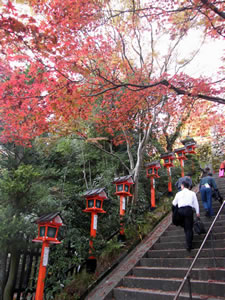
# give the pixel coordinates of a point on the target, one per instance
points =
(206, 186)
(205, 172)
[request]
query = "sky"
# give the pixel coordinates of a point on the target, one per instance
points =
(208, 61)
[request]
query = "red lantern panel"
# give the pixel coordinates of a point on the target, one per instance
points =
(168, 162)
(94, 204)
(152, 172)
(123, 185)
(48, 227)
(190, 149)
(181, 153)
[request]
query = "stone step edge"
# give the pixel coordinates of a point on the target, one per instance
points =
(172, 293)
(182, 269)
(184, 249)
(177, 279)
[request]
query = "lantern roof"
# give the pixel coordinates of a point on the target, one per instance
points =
(168, 154)
(188, 141)
(96, 192)
(180, 149)
(127, 178)
(154, 163)
(190, 144)
(49, 217)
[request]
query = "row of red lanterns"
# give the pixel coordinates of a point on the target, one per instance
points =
(48, 225)
(152, 168)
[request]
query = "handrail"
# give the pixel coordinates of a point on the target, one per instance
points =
(187, 276)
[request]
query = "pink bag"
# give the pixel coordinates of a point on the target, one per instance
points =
(221, 173)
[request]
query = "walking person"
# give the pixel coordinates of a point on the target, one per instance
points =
(206, 186)
(222, 169)
(205, 172)
(187, 202)
(186, 178)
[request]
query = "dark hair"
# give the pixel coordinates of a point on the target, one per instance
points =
(189, 174)
(186, 184)
(210, 174)
(206, 172)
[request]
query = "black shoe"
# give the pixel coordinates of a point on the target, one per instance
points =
(207, 213)
(189, 249)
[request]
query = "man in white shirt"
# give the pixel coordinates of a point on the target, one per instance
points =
(187, 201)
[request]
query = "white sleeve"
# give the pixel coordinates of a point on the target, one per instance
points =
(175, 200)
(195, 202)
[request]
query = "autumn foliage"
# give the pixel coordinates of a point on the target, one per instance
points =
(68, 64)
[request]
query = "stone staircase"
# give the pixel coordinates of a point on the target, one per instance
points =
(158, 274)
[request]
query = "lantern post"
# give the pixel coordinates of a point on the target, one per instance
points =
(123, 185)
(190, 145)
(48, 227)
(168, 163)
(152, 173)
(181, 156)
(94, 204)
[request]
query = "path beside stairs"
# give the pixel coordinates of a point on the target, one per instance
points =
(156, 267)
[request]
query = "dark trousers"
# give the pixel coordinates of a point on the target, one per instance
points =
(187, 213)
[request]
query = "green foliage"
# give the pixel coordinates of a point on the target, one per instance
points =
(112, 249)
(204, 154)
(53, 176)
(15, 185)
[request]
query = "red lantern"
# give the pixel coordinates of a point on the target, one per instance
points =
(190, 148)
(168, 159)
(152, 172)
(94, 204)
(152, 169)
(123, 186)
(190, 145)
(168, 163)
(181, 156)
(48, 227)
(94, 200)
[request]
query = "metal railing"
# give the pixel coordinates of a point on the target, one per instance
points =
(187, 276)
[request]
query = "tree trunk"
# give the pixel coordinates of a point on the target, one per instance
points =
(10, 284)
(3, 260)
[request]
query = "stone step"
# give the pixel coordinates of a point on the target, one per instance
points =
(203, 262)
(178, 231)
(173, 238)
(123, 293)
(179, 253)
(160, 269)
(196, 273)
(207, 222)
(213, 288)
(196, 244)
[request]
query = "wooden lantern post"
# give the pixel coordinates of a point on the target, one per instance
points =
(152, 173)
(48, 227)
(181, 156)
(168, 163)
(123, 185)
(94, 204)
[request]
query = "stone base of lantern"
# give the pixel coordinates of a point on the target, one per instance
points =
(152, 208)
(121, 238)
(91, 265)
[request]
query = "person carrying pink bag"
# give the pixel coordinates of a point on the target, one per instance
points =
(222, 169)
